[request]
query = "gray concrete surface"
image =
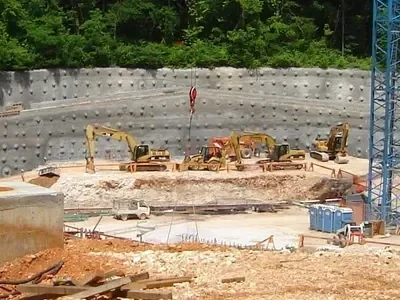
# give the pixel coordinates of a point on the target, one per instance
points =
(294, 105)
(245, 229)
(31, 219)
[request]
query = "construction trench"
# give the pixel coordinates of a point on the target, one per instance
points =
(227, 234)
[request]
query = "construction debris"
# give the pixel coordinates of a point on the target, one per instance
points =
(233, 279)
(133, 286)
(219, 272)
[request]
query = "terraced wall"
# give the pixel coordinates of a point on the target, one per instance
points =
(294, 105)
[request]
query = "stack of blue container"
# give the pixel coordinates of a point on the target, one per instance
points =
(328, 218)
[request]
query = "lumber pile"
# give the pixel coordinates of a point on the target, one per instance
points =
(110, 285)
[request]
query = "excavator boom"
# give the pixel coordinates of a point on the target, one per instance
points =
(334, 147)
(141, 156)
(277, 153)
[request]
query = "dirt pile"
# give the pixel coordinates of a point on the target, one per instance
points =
(45, 181)
(268, 275)
(101, 190)
(5, 189)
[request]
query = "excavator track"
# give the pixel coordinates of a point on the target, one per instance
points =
(143, 167)
(321, 156)
(283, 164)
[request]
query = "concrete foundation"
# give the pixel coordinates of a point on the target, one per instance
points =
(294, 105)
(31, 219)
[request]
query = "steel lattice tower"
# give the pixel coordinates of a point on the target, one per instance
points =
(384, 147)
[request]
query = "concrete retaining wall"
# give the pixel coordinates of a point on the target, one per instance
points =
(31, 219)
(294, 105)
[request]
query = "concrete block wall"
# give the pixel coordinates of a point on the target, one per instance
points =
(293, 105)
(31, 219)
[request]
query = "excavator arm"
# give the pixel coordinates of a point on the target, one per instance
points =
(342, 130)
(234, 142)
(345, 135)
(262, 138)
(92, 132)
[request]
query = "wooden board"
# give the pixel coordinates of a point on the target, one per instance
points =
(49, 289)
(111, 285)
(148, 295)
(233, 279)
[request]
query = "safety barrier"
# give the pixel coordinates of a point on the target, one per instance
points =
(333, 171)
(192, 238)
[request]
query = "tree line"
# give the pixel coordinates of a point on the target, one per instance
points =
(184, 33)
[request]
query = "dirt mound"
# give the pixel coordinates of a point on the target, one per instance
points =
(169, 189)
(78, 262)
(286, 185)
(330, 188)
(45, 181)
(251, 182)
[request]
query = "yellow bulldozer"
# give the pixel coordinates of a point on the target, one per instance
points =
(144, 158)
(333, 148)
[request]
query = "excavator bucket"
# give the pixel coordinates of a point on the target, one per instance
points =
(341, 159)
(90, 166)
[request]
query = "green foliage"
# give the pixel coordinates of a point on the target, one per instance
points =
(178, 33)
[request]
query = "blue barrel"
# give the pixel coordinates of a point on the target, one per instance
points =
(327, 221)
(313, 216)
(342, 216)
(320, 217)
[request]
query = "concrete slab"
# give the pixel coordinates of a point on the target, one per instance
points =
(31, 219)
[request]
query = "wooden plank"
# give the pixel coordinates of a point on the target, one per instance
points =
(179, 278)
(136, 281)
(49, 289)
(165, 283)
(111, 285)
(233, 279)
(147, 295)
(140, 276)
(94, 277)
(114, 272)
(155, 283)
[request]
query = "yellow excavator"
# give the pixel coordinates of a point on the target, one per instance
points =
(146, 159)
(212, 157)
(276, 152)
(333, 148)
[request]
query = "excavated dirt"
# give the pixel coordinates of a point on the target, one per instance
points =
(5, 189)
(268, 275)
(45, 181)
(100, 190)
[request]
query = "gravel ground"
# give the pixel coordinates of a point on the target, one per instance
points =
(355, 273)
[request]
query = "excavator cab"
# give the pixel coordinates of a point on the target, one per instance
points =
(280, 151)
(208, 152)
(140, 151)
(338, 142)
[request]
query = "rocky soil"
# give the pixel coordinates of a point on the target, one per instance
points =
(349, 274)
(100, 189)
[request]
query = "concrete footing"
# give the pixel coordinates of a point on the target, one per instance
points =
(31, 219)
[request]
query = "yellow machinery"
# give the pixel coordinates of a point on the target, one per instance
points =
(212, 157)
(209, 157)
(333, 148)
(276, 152)
(142, 156)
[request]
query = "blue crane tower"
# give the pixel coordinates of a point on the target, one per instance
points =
(384, 140)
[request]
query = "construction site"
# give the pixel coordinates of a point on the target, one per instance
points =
(135, 193)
